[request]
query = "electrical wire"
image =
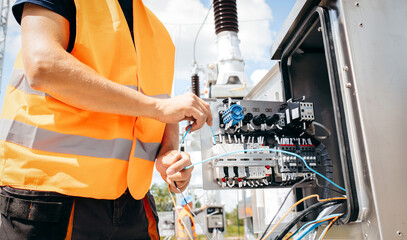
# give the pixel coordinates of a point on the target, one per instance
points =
(271, 150)
(288, 236)
(199, 30)
(304, 213)
(313, 227)
(303, 233)
(176, 209)
(186, 133)
(213, 133)
(319, 185)
(179, 150)
(304, 230)
(323, 127)
(195, 216)
(297, 203)
(183, 138)
(282, 204)
(327, 228)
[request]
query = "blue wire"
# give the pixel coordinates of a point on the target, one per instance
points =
(323, 232)
(214, 137)
(271, 150)
(308, 231)
(317, 220)
(183, 138)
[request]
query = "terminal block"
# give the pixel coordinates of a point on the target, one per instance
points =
(270, 142)
(232, 116)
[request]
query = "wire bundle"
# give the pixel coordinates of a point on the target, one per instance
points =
(306, 228)
(297, 203)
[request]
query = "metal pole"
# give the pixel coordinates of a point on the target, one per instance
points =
(237, 215)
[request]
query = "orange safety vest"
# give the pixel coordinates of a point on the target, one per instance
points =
(48, 145)
(182, 232)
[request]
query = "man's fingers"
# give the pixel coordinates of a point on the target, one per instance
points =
(209, 120)
(179, 166)
(171, 184)
(172, 158)
(182, 185)
(199, 117)
(207, 111)
(181, 175)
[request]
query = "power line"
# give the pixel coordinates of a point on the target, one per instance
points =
(198, 24)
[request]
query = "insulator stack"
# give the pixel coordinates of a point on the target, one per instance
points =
(225, 16)
(195, 84)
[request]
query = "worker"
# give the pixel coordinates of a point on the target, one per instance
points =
(86, 116)
(186, 223)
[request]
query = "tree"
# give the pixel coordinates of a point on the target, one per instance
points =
(233, 217)
(162, 197)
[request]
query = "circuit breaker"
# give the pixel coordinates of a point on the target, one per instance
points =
(256, 132)
(215, 218)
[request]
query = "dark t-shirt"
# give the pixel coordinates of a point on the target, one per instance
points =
(67, 9)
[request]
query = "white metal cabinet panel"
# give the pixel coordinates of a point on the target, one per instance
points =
(376, 82)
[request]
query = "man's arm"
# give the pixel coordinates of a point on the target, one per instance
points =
(198, 211)
(49, 68)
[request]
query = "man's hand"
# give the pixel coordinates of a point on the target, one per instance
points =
(185, 107)
(171, 167)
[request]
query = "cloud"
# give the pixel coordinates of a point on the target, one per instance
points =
(257, 75)
(183, 18)
(255, 33)
(13, 40)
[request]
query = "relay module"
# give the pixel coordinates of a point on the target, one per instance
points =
(255, 132)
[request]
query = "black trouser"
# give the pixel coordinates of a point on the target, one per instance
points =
(29, 214)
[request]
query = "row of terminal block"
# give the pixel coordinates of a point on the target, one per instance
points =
(243, 176)
(292, 114)
(262, 168)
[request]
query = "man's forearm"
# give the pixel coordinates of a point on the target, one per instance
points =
(65, 78)
(170, 138)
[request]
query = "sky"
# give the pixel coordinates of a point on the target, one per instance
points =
(259, 23)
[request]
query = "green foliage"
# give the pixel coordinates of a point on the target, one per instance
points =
(162, 197)
(234, 224)
(198, 204)
(232, 218)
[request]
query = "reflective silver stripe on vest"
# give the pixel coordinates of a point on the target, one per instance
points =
(161, 96)
(19, 81)
(147, 151)
(45, 140)
(132, 87)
